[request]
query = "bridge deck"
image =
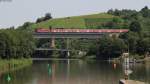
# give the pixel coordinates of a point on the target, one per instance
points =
(68, 35)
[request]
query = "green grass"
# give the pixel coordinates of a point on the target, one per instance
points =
(15, 64)
(61, 23)
(74, 21)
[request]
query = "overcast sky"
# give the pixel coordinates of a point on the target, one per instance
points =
(16, 12)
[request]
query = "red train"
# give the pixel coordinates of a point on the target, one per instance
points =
(44, 30)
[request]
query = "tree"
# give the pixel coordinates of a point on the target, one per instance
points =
(143, 46)
(39, 20)
(135, 26)
(2, 48)
(145, 12)
(110, 11)
(25, 26)
(15, 44)
(117, 12)
(47, 16)
(110, 48)
(131, 39)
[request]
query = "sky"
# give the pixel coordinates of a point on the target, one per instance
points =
(16, 12)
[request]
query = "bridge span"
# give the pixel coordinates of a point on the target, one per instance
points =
(72, 33)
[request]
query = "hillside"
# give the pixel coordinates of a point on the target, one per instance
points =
(84, 21)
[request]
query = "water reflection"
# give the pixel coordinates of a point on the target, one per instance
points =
(17, 77)
(141, 71)
(75, 72)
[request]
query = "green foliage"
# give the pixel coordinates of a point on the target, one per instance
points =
(15, 44)
(139, 43)
(143, 46)
(25, 26)
(139, 24)
(145, 22)
(110, 48)
(129, 16)
(145, 12)
(123, 13)
(135, 26)
(132, 41)
(45, 18)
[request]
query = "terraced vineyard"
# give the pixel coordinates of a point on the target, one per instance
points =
(85, 21)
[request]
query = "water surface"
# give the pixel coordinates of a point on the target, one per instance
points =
(75, 72)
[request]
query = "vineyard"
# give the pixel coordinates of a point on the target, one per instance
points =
(84, 21)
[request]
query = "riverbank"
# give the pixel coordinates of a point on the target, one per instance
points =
(133, 58)
(13, 64)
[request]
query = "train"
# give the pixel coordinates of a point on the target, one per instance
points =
(61, 30)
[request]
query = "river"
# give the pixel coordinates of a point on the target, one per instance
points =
(74, 72)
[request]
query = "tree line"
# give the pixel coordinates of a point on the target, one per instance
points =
(15, 43)
(136, 41)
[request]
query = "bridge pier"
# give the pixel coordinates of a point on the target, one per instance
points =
(52, 43)
(67, 47)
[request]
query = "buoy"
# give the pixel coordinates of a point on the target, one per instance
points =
(49, 69)
(8, 78)
(48, 65)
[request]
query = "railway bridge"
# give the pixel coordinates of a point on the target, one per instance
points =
(42, 33)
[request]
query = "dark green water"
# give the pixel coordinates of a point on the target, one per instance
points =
(75, 72)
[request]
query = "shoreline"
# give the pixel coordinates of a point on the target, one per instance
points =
(13, 64)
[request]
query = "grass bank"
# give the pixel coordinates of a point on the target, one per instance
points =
(13, 64)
